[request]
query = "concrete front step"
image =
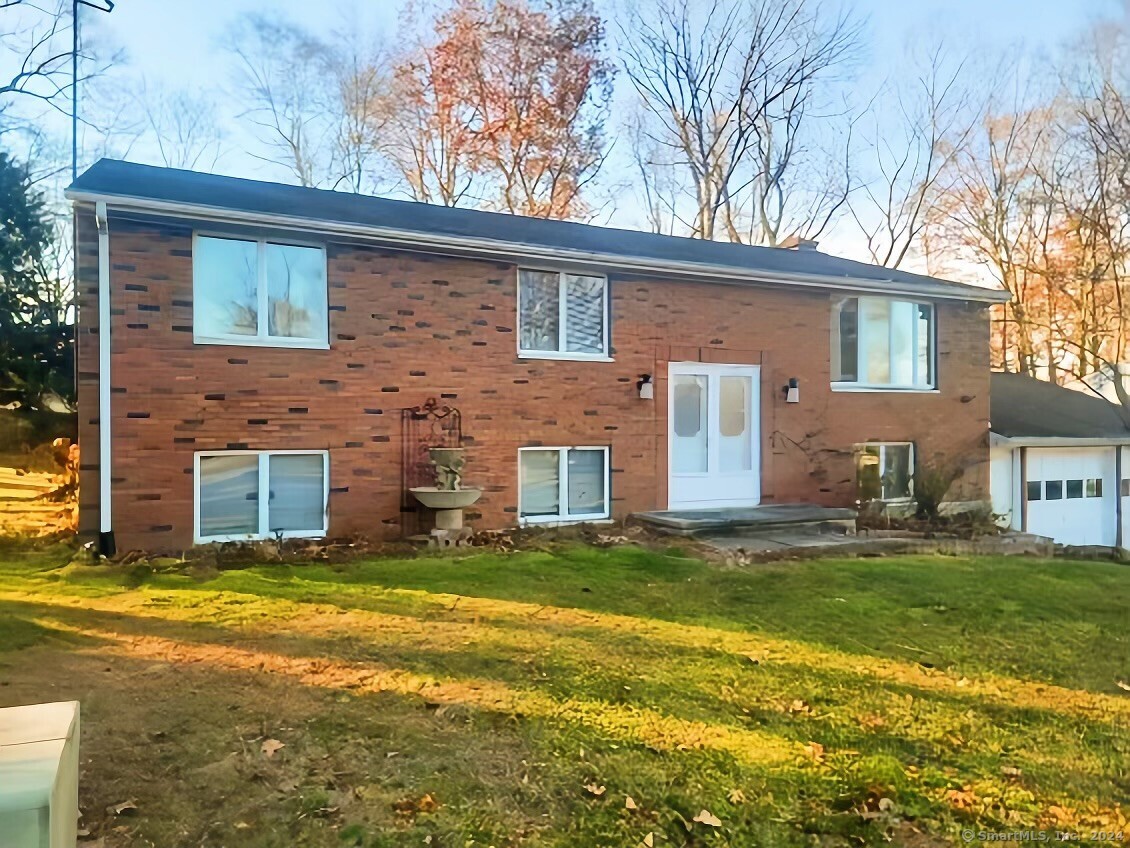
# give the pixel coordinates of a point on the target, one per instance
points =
(752, 521)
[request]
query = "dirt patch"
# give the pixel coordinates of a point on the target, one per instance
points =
(174, 754)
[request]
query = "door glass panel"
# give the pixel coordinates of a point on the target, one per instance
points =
(734, 448)
(229, 495)
(691, 441)
(298, 493)
(540, 491)
(586, 482)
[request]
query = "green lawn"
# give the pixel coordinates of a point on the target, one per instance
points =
(523, 699)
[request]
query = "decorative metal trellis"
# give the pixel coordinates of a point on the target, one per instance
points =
(423, 427)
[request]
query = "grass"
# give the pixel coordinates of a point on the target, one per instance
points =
(522, 699)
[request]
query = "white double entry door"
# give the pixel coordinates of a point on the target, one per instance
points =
(714, 435)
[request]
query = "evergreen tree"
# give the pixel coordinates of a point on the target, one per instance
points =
(35, 338)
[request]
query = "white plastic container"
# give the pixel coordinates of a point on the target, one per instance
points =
(39, 775)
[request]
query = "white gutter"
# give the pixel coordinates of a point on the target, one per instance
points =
(105, 465)
(1062, 441)
(445, 243)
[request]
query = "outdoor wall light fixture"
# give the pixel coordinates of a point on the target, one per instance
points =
(646, 387)
(792, 391)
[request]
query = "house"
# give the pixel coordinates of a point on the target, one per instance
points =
(247, 351)
(1060, 462)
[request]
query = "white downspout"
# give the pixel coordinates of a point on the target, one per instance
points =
(105, 465)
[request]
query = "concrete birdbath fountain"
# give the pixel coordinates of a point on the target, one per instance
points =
(448, 497)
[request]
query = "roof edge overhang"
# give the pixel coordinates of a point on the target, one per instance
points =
(493, 248)
(1065, 441)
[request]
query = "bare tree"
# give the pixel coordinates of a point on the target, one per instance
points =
(362, 88)
(38, 37)
(656, 175)
(916, 144)
(318, 106)
(727, 89)
(282, 76)
(180, 126)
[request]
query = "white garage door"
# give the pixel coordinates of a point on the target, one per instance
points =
(1072, 494)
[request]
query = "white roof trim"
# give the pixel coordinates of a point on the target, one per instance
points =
(1063, 441)
(444, 243)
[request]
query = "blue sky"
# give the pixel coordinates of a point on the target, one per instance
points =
(180, 43)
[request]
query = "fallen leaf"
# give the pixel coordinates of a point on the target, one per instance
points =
(871, 721)
(241, 825)
(707, 818)
(815, 750)
(593, 789)
(630, 803)
(1122, 684)
(1060, 813)
(123, 808)
(648, 841)
(412, 806)
(736, 796)
(270, 746)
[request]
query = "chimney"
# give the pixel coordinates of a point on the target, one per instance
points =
(795, 242)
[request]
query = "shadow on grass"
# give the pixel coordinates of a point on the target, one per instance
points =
(657, 700)
(978, 615)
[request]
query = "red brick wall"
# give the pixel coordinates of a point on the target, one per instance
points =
(407, 326)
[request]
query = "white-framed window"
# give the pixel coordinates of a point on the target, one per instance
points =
(563, 484)
(884, 472)
(246, 495)
(880, 343)
(258, 292)
(562, 315)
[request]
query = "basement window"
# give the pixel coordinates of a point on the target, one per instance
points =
(884, 472)
(563, 484)
(258, 293)
(562, 315)
(879, 343)
(250, 495)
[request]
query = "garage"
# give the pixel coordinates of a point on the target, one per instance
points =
(1056, 460)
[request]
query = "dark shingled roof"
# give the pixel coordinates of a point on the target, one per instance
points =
(111, 179)
(1021, 406)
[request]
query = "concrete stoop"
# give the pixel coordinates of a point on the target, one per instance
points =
(755, 522)
(752, 549)
(757, 534)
